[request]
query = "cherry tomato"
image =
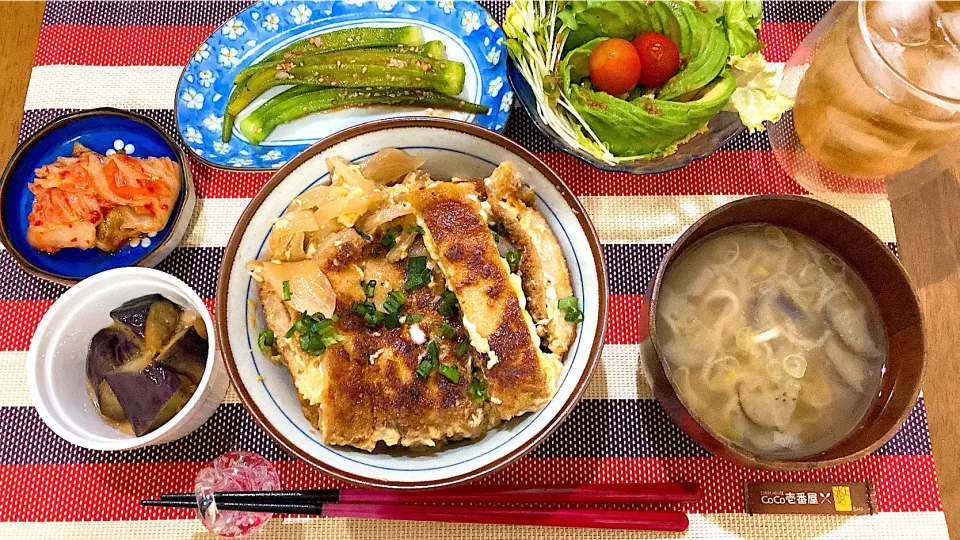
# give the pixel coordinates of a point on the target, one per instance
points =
(614, 66)
(659, 58)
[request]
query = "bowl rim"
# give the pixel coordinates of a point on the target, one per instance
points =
(157, 435)
(158, 251)
(746, 456)
(593, 357)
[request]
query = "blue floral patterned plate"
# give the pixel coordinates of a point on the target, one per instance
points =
(471, 35)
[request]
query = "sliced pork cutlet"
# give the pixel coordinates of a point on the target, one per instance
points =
(519, 377)
(305, 369)
(543, 267)
(340, 257)
(372, 390)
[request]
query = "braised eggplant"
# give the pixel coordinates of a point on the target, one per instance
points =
(109, 404)
(152, 318)
(110, 349)
(148, 397)
(186, 354)
(145, 366)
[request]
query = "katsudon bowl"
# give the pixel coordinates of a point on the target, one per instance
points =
(450, 149)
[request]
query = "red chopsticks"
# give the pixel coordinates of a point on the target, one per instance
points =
(672, 492)
(377, 504)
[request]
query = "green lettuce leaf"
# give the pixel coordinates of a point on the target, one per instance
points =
(742, 19)
(698, 36)
(756, 98)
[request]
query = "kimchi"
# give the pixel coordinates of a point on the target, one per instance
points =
(90, 200)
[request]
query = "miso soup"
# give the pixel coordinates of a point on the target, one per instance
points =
(771, 340)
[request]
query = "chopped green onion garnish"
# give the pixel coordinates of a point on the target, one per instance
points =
(286, 290)
(316, 333)
(449, 372)
(391, 320)
(478, 390)
(301, 325)
(416, 229)
(265, 341)
(369, 288)
(394, 302)
(417, 265)
(447, 331)
(424, 369)
(374, 319)
(312, 343)
(430, 361)
(570, 306)
(448, 304)
(414, 318)
(462, 349)
(368, 310)
(389, 238)
(363, 235)
(418, 274)
(496, 237)
(513, 259)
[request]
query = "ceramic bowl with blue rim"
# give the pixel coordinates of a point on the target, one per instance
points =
(721, 128)
(451, 149)
(105, 131)
(470, 34)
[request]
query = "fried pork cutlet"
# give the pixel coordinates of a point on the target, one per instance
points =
(305, 370)
(340, 257)
(519, 377)
(373, 393)
(419, 384)
(366, 389)
(543, 268)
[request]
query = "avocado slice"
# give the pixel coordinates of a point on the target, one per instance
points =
(699, 36)
(644, 126)
(648, 126)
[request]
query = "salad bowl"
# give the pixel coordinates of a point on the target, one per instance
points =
(641, 87)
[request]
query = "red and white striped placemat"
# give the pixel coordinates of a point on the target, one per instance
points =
(129, 54)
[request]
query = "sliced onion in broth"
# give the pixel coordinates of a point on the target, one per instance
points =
(385, 214)
(795, 365)
(389, 165)
(310, 290)
(343, 172)
(314, 197)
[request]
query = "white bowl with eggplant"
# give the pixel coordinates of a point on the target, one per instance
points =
(125, 359)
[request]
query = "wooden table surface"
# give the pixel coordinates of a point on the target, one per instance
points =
(926, 214)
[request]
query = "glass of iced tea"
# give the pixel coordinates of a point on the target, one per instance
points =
(877, 90)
